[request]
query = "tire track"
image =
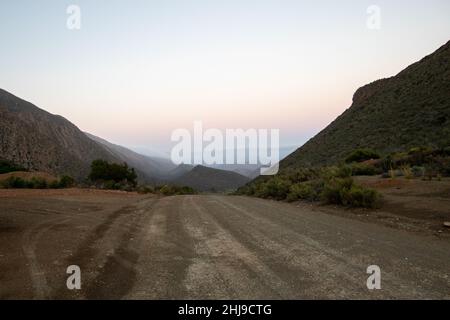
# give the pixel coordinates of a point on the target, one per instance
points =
(166, 252)
(241, 269)
(110, 274)
(303, 263)
(345, 265)
(30, 240)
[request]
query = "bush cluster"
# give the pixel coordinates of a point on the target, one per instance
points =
(360, 155)
(8, 166)
(167, 190)
(343, 191)
(37, 183)
(309, 191)
(332, 185)
(112, 175)
(425, 162)
(365, 169)
(417, 162)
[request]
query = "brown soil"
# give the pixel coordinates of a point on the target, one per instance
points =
(411, 204)
(131, 246)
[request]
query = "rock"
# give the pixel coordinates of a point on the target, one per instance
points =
(447, 224)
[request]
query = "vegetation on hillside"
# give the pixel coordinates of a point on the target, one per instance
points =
(360, 155)
(332, 185)
(37, 183)
(211, 180)
(112, 175)
(167, 190)
(8, 166)
(390, 115)
(418, 162)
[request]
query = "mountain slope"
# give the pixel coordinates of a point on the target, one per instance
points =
(208, 179)
(149, 169)
(39, 140)
(179, 171)
(409, 110)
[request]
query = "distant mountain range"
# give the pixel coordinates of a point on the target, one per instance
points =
(252, 170)
(204, 178)
(411, 109)
(150, 169)
(40, 141)
(408, 110)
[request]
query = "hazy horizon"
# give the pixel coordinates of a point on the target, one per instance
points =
(133, 74)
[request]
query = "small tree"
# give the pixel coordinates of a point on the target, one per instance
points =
(102, 170)
(8, 166)
(360, 155)
(66, 182)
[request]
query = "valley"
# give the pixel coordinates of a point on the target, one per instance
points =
(347, 201)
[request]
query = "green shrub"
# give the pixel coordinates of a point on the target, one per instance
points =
(360, 155)
(8, 166)
(345, 192)
(111, 185)
(420, 150)
(275, 188)
(418, 156)
(145, 189)
(66, 182)
(440, 165)
(54, 184)
(37, 183)
(386, 163)
(300, 175)
(309, 191)
(170, 190)
(14, 183)
(247, 190)
(344, 172)
(104, 171)
(186, 190)
(357, 196)
(299, 191)
(333, 185)
(418, 171)
(363, 169)
(331, 193)
(446, 151)
(167, 190)
(328, 173)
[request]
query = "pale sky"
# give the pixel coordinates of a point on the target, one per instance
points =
(137, 70)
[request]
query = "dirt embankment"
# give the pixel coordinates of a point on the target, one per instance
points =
(411, 204)
(28, 175)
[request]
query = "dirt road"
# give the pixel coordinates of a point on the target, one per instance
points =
(208, 246)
